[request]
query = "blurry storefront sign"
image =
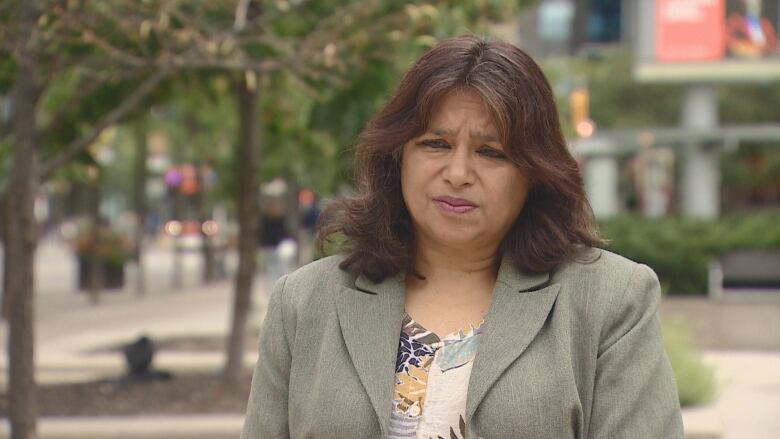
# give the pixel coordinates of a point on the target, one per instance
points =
(707, 40)
(555, 17)
(750, 32)
(690, 30)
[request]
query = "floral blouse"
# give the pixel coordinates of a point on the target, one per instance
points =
(431, 382)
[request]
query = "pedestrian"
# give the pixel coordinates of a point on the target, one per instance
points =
(471, 297)
(272, 234)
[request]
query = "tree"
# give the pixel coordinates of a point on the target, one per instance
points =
(246, 200)
(140, 175)
(28, 87)
(38, 58)
(20, 248)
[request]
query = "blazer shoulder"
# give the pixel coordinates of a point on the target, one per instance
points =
(604, 279)
(596, 263)
(322, 275)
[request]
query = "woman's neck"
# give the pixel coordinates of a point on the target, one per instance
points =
(438, 264)
(456, 288)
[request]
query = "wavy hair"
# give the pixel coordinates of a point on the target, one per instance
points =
(556, 221)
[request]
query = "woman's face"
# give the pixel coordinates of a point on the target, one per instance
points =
(461, 189)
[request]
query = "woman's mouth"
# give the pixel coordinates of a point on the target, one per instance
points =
(454, 205)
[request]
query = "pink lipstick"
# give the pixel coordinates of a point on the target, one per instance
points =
(455, 205)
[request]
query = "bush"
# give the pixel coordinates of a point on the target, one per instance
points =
(113, 248)
(680, 249)
(695, 379)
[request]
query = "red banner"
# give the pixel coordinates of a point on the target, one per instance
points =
(690, 30)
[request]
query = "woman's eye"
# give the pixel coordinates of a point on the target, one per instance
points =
(435, 144)
(491, 153)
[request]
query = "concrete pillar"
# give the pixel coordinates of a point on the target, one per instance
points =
(601, 184)
(701, 173)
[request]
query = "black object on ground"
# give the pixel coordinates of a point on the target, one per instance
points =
(139, 356)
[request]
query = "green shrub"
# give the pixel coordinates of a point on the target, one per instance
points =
(680, 249)
(695, 379)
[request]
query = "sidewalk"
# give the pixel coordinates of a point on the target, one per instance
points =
(74, 341)
(748, 404)
(70, 349)
(136, 427)
(73, 337)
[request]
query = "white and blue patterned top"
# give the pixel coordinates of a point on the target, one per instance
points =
(431, 382)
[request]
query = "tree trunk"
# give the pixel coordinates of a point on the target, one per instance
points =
(5, 212)
(247, 204)
(200, 201)
(177, 273)
(139, 204)
(5, 130)
(207, 248)
(22, 231)
(95, 260)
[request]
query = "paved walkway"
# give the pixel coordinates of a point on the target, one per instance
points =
(748, 406)
(70, 334)
(136, 427)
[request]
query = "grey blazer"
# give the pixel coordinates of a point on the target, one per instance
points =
(575, 353)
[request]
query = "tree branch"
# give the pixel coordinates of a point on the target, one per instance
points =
(130, 103)
(112, 51)
(270, 16)
(241, 12)
(262, 67)
(92, 81)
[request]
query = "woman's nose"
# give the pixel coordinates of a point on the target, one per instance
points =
(459, 168)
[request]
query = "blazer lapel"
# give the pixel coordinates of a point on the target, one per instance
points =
(370, 317)
(520, 306)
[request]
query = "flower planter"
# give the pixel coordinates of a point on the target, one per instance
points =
(113, 275)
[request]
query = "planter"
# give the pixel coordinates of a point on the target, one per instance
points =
(113, 275)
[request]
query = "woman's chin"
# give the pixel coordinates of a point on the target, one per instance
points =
(459, 242)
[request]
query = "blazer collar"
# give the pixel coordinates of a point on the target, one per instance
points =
(370, 318)
(521, 303)
(519, 281)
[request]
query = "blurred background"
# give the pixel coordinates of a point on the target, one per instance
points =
(162, 163)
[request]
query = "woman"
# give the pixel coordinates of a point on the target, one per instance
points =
(469, 300)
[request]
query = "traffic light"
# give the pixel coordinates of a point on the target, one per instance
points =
(579, 107)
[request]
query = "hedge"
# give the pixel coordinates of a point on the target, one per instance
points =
(680, 249)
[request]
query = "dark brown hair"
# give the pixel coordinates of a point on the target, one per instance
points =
(556, 220)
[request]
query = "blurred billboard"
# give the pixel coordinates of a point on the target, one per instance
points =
(707, 40)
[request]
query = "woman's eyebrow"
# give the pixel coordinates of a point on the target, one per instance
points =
(440, 132)
(485, 137)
